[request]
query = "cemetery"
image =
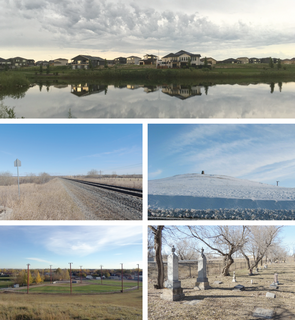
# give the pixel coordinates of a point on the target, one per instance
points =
(197, 290)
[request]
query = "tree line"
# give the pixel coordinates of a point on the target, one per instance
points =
(254, 243)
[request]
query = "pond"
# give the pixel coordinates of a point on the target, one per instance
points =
(273, 100)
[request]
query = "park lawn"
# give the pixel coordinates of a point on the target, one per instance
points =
(76, 288)
(126, 306)
(116, 282)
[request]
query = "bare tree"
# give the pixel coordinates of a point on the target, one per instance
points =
(223, 240)
(92, 173)
(261, 238)
(186, 250)
(157, 232)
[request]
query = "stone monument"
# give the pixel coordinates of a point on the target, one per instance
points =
(234, 277)
(202, 282)
(173, 291)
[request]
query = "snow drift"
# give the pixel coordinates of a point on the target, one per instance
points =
(203, 192)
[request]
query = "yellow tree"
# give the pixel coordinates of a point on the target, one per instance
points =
(37, 278)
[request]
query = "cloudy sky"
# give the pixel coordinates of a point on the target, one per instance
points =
(69, 149)
(49, 29)
(263, 153)
(87, 246)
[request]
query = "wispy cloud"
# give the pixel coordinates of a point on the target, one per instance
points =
(155, 174)
(40, 260)
(83, 241)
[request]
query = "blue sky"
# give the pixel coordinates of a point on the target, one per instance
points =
(263, 152)
(69, 149)
(87, 246)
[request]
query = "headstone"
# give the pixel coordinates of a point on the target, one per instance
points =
(217, 282)
(276, 279)
(270, 295)
(265, 266)
(173, 291)
(239, 287)
(234, 277)
(251, 281)
(202, 282)
(263, 313)
(250, 272)
(257, 270)
(274, 286)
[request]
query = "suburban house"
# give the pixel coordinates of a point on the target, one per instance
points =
(181, 59)
(148, 59)
(254, 60)
(81, 90)
(288, 61)
(210, 60)
(4, 62)
(18, 62)
(133, 60)
(60, 62)
(85, 62)
(243, 60)
(230, 60)
(120, 60)
(43, 63)
(267, 60)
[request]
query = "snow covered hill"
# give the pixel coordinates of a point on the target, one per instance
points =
(199, 192)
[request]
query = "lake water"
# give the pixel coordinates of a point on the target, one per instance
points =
(167, 101)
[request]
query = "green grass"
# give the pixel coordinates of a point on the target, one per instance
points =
(90, 287)
(126, 306)
(117, 75)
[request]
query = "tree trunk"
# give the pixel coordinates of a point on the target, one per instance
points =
(227, 262)
(247, 260)
(158, 249)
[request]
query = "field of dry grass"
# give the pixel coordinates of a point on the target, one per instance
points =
(221, 302)
(48, 201)
(135, 183)
(66, 307)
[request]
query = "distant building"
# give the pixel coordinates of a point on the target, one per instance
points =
(210, 60)
(60, 62)
(243, 60)
(181, 59)
(120, 60)
(85, 62)
(133, 60)
(148, 59)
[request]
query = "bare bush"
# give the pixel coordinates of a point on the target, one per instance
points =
(44, 178)
(6, 178)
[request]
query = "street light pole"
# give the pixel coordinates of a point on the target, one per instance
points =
(122, 275)
(100, 274)
(70, 263)
(137, 276)
(28, 279)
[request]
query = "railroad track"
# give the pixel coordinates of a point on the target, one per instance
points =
(129, 191)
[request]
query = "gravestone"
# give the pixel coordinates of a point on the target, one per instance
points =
(202, 282)
(239, 287)
(173, 291)
(270, 295)
(276, 279)
(234, 277)
(263, 313)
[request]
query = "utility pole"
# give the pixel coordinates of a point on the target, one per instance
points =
(122, 275)
(100, 274)
(70, 263)
(17, 163)
(137, 276)
(28, 279)
(278, 183)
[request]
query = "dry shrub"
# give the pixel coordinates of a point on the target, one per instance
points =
(49, 201)
(6, 178)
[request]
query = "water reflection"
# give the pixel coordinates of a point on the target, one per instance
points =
(88, 100)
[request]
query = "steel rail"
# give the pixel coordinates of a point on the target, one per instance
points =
(129, 191)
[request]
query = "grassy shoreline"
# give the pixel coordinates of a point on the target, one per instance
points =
(219, 74)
